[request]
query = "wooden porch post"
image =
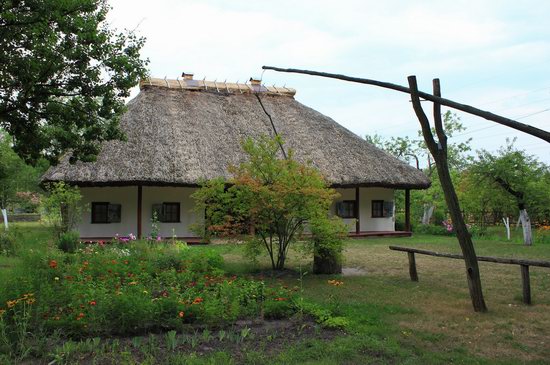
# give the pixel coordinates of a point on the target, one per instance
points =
(357, 210)
(139, 196)
(407, 210)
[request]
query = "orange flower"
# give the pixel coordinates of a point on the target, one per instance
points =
(280, 299)
(181, 314)
(198, 300)
(53, 264)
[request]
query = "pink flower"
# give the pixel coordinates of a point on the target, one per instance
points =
(159, 238)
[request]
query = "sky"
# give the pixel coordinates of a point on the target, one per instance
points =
(493, 54)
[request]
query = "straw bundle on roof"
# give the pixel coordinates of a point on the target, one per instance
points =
(180, 134)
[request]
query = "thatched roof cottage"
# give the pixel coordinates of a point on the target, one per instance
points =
(180, 132)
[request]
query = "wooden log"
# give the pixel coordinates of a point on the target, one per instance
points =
(542, 134)
(498, 260)
(526, 284)
(412, 267)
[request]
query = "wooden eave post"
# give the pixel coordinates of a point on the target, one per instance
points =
(407, 210)
(357, 210)
(139, 205)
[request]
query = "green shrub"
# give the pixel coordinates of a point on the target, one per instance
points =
(432, 229)
(8, 243)
(278, 308)
(68, 241)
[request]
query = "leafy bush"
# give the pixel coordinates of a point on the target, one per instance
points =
(68, 241)
(278, 308)
(8, 243)
(431, 229)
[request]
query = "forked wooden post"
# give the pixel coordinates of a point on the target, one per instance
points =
(526, 284)
(412, 266)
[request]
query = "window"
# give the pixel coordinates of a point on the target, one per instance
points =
(171, 212)
(382, 209)
(104, 212)
(167, 212)
(346, 209)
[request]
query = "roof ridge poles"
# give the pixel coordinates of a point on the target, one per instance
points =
(526, 128)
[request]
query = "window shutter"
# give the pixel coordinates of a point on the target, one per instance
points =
(157, 208)
(388, 209)
(114, 213)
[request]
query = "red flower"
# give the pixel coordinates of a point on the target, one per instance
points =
(280, 299)
(198, 300)
(53, 264)
(181, 314)
(93, 302)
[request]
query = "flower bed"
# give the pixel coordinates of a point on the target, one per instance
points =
(124, 289)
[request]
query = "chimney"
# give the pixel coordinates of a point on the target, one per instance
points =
(187, 76)
(255, 81)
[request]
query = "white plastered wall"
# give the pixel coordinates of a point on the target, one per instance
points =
(125, 196)
(366, 196)
(158, 195)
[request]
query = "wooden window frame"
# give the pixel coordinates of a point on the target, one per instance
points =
(164, 218)
(381, 202)
(354, 210)
(94, 207)
(108, 206)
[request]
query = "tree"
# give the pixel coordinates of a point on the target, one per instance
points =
(63, 77)
(15, 175)
(62, 207)
(270, 199)
(520, 175)
(414, 150)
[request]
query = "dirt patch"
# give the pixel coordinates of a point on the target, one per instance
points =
(269, 337)
(353, 271)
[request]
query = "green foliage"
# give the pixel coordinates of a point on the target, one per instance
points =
(512, 175)
(129, 288)
(18, 181)
(68, 241)
(272, 196)
(324, 316)
(432, 229)
(64, 75)
(62, 207)
(9, 243)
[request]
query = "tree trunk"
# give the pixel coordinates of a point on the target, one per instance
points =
(428, 211)
(526, 225)
(507, 225)
(5, 218)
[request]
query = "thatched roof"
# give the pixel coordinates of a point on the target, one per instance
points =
(180, 134)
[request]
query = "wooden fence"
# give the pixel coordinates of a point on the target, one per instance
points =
(523, 263)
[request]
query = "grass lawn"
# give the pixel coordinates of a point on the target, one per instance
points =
(391, 319)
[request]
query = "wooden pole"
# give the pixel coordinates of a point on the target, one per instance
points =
(439, 152)
(542, 134)
(412, 267)
(139, 203)
(407, 210)
(526, 284)
(357, 210)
